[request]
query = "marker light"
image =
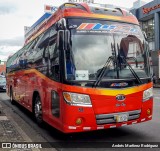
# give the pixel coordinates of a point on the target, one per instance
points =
(78, 121)
(148, 112)
(77, 99)
(70, 5)
(147, 94)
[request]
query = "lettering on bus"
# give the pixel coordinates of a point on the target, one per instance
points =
(81, 1)
(109, 28)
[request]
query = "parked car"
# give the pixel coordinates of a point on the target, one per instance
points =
(2, 83)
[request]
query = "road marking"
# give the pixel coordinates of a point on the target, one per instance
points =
(3, 118)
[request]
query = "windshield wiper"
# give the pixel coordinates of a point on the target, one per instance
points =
(102, 71)
(131, 69)
(132, 58)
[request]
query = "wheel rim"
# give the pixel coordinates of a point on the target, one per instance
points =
(38, 109)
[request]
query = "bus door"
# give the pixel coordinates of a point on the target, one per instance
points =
(54, 74)
(25, 82)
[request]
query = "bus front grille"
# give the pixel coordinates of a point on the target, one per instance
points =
(110, 118)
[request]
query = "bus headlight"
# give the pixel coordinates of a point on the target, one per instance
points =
(147, 94)
(77, 99)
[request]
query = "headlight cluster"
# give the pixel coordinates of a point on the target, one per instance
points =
(147, 94)
(77, 99)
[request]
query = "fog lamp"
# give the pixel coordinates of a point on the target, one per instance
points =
(79, 121)
(148, 112)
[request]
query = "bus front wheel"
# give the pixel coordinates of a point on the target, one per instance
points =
(38, 110)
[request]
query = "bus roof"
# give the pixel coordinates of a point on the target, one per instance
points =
(80, 10)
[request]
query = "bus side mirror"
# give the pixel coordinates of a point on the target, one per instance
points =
(60, 39)
(61, 24)
(67, 39)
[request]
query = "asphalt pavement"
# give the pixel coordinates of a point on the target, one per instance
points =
(17, 125)
(12, 135)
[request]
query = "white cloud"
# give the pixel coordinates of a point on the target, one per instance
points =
(7, 51)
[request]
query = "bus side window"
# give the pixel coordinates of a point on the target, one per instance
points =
(32, 54)
(54, 70)
(54, 63)
(37, 58)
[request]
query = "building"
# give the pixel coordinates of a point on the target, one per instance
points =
(149, 18)
(138, 4)
(95, 2)
(3, 68)
(111, 6)
(148, 15)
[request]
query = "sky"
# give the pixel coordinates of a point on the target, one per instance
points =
(15, 14)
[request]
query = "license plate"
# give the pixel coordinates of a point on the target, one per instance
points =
(121, 118)
(4, 87)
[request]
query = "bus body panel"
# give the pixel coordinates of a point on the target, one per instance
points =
(103, 101)
(89, 118)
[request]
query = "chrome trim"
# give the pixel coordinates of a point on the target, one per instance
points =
(81, 105)
(144, 100)
(112, 114)
(120, 97)
(109, 118)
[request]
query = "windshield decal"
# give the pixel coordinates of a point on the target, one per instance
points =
(117, 28)
(123, 84)
(82, 75)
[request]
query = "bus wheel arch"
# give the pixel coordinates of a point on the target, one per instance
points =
(37, 107)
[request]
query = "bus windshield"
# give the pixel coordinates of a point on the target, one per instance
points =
(91, 49)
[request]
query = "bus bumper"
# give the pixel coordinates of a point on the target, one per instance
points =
(145, 115)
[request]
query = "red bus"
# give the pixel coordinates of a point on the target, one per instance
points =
(86, 68)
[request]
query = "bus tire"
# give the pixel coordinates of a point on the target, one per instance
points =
(11, 97)
(38, 109)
